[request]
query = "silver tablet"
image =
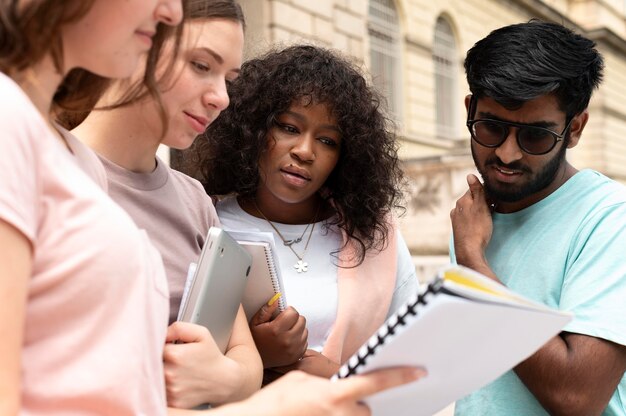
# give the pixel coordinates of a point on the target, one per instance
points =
(215, 290)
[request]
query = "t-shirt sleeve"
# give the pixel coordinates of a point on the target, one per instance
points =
(451, 252)
(86, 158)
(19, 186)
(594, 288)
(213, 219)
(406, 278)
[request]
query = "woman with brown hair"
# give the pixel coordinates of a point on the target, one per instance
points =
(172, 207)
(81, 286)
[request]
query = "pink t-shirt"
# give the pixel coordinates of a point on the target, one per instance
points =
(98, 299)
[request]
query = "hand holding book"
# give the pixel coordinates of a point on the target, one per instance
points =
(282, 340)
(465, 329)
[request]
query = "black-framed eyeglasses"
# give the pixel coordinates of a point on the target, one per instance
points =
(533, 140)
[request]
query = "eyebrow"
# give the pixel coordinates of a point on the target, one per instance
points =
(300, 117)
(544, 124)
(217, 57)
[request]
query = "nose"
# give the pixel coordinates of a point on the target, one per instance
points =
(509, 151)
(303, 150)
(169, 12)
(216, 96)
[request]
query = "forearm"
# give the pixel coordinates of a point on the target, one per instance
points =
(475, 260)
(15, 269)
(247, 378)
(235, 409)
(318, 365)
(313, 363)
(248, 369)
(569, 378)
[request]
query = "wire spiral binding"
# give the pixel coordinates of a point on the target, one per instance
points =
(272, 268)
(399, 319)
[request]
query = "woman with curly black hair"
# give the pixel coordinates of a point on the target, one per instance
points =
(305, 153)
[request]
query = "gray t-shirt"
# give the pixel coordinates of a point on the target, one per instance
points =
(174, 210)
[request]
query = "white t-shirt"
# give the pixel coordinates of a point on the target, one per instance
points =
(314, 293)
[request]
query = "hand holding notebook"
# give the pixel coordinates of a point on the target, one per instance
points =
(465, 330)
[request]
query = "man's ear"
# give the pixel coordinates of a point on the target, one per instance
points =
(468, 100)
(576, 128)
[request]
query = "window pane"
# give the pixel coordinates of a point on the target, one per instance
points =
(384, 51)
(444, 57)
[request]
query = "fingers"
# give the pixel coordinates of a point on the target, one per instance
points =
(264, 314)
(289, 319)
(363, 410)
(475, 187)
(474, 196)
(358, 387)
(304, 341)
(465, 201)
(186, 332)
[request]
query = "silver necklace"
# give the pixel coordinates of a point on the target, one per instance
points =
(301, 266)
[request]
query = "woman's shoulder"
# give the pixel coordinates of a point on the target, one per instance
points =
(18, 115)
(228, 210)
(186, 183)
(233, 216)
(228, 204)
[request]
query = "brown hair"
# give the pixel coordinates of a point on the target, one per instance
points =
(82, 90)
(29, 30)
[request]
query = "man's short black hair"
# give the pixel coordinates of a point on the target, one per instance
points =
(521, 62)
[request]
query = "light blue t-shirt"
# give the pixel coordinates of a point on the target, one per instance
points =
(567, 251)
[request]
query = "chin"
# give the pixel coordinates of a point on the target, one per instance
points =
(117, 70)
(183, 142)
(295, 199)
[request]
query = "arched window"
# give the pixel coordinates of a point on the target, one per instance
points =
(383, 29)
(444, 57)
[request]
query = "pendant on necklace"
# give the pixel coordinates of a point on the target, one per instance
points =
(301, 266)
(289, 243)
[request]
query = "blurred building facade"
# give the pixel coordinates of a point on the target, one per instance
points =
(414, 51)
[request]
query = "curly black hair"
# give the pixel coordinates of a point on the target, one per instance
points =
(365, 184)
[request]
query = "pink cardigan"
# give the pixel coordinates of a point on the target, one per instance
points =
(364, 297)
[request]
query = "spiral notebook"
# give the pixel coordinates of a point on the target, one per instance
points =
(465, 329)
(264, 280)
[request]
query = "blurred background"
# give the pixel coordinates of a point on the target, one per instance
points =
(413, 51)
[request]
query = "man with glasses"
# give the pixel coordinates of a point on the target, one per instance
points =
(541, 227)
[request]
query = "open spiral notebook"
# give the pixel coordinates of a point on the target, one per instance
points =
(464, 329)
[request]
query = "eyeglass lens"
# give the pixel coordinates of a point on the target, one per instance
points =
(530, 139)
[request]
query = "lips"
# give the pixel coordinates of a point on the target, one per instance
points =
(506, 171)
(146, 36)
(296, 171)
(295, 177)
(508, 175)
(198, 123)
